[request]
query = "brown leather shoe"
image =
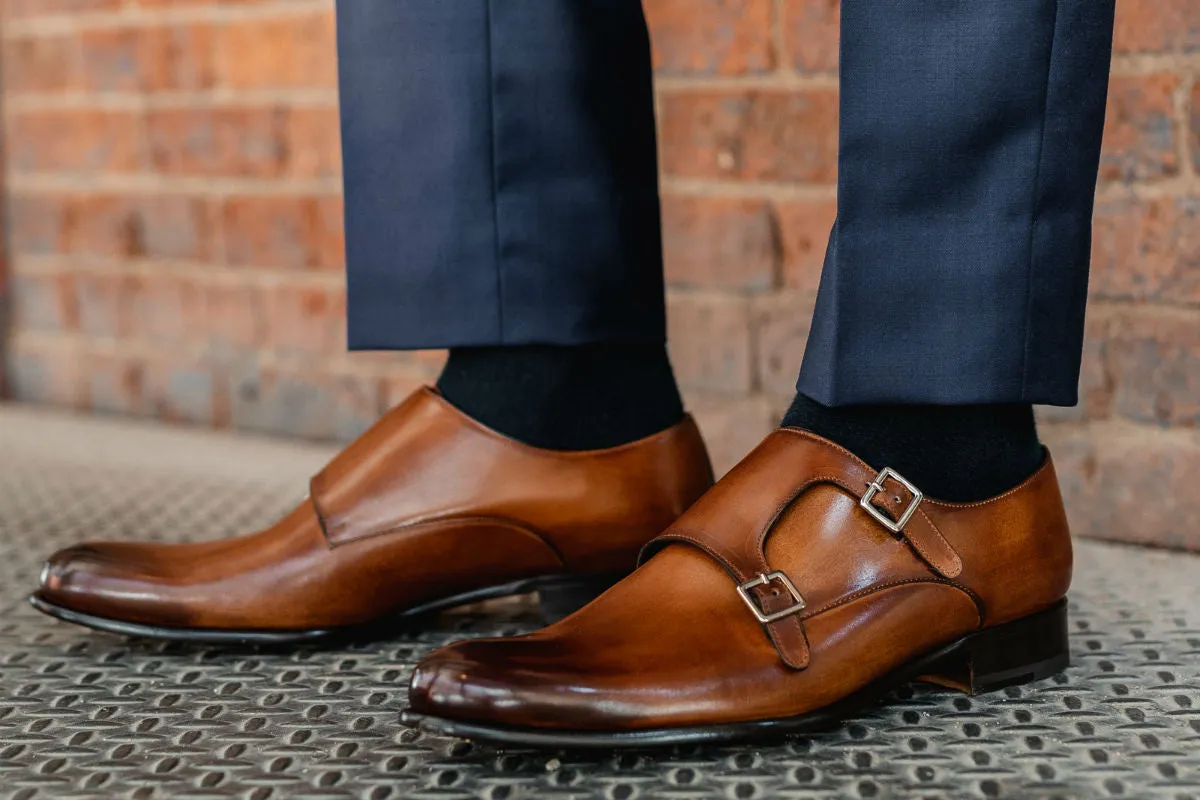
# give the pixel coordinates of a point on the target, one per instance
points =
(427, 510)
(801, 587)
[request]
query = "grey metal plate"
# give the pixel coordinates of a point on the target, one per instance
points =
(84, 715)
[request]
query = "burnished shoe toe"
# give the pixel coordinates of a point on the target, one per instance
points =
(61, 567)
(108, 579)
(85, 569)
(488, 680)
(442, 683)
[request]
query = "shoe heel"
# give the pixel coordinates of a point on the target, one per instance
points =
(1028, 649)
(565, 598)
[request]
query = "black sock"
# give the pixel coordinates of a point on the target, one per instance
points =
(565, 398)
(954, 453)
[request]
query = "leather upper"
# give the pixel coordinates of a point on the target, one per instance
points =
(424, 505)
(675, 644)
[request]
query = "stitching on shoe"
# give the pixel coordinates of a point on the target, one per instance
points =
(1046, 464)
(870, 590)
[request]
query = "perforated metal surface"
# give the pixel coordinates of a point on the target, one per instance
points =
(89, 716)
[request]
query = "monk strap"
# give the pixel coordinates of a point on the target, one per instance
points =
(877, 486)
(766, 580)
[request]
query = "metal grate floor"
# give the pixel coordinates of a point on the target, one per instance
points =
(84, 715)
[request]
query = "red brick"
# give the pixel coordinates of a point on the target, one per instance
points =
(179, 392)
(165, 308)
(751, 135)
(105, 225)
(731, 428)
(176, 227)
(306, 320)
(45, 302)
(716, 243)
(1147, 250)
(1194, 136)
(309, 404)
(239, 141)
(112, 59)
(233, 320)
(177, 58)
(114, 384)
(1129, 483)
(1155, 365)
(711, 37)
(313, 142)
(104, 301)
(119, 226)
(812, 29)
(183, 141)
(1139, 140)
(177, 3)
(1153, 26)
(294, 50)
(76, 141)
(710, 343)
(41, 64)
(246, 141)
(805, 227)
(356, 405)
(781, 325)
(157, 58)
(293, 232)
(329, 238)
(32, 8)
(37, 223)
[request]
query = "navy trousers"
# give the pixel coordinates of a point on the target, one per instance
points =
(501, 187)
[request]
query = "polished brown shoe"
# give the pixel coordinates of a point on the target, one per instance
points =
(803, 586)
(427, 510)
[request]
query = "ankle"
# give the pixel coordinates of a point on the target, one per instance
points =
(952, 453)
(565, 398)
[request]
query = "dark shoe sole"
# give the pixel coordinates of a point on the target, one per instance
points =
(558, 596)
(1022, 651)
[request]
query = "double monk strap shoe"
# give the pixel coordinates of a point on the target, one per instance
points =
(425, 511)
(802, 587)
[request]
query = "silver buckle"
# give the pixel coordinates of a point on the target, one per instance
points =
(876, 486)
(763, 580)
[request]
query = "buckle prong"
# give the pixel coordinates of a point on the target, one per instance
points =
(876, 486)
(765, 580)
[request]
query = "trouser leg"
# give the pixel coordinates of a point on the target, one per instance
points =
(500, 173)
(970, 141)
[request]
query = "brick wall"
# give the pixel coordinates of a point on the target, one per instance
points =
(176, 247)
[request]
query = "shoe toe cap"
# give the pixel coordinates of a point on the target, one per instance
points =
(105, 579)
(74, 568)
(512, 683)
(453, 682)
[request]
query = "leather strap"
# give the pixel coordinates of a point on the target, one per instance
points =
(786, 465)
(920, 532)
(786, 634)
